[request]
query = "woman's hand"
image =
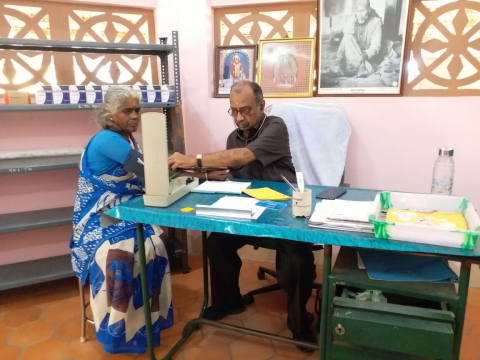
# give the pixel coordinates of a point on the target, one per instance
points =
(220, 175)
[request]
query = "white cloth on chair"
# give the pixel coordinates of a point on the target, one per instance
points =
(319, 135)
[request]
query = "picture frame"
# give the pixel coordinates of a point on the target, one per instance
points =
(366, 57)
(286, 67)
(233, 64)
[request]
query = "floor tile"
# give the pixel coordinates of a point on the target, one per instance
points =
(251, 348)
(61, 312)
(10, 352)
(32, 333)
(4, 334)
(264, 322)
(19, 317)
(205, 349)
(42, 322)
(51, 349)
(89, 350)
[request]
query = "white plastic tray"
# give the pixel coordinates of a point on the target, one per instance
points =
(465, 239)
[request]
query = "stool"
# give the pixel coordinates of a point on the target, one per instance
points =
(83, 307)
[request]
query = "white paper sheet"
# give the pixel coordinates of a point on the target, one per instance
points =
(222, 187)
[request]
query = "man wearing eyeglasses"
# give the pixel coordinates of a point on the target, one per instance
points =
(259, 150)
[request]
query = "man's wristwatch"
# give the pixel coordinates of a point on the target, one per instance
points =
(199, 160)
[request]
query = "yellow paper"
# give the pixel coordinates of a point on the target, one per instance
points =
(454, 221)
(266, 194)
(187, 209)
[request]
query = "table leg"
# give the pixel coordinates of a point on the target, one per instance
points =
(463, 285)
(186, 268)
(145, 289)
(327, 269)
(193, 325)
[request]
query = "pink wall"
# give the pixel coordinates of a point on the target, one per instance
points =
(394, 140)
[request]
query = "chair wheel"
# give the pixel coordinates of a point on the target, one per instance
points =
(248, 299)
(260, 274)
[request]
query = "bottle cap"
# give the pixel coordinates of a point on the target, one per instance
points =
(445, 152)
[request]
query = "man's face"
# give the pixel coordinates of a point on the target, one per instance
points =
(244, 108)
(362, 13)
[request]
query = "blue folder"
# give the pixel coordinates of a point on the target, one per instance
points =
(395, 266)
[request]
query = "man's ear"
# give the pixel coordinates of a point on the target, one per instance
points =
(262, 105)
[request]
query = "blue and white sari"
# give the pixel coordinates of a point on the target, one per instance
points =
(108, 257)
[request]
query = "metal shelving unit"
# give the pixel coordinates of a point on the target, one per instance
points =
(39, 219)
(36, 271)
(15, 166)
(37, 107)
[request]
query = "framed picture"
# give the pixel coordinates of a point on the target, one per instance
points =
(361, 46)
(232, 64)
(285, 67)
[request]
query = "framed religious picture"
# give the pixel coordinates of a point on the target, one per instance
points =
(361, 46)
(232, 64)
(285, 67)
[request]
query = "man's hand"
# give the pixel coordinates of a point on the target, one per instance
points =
(220, 175)
(178, 160)
(364, 55)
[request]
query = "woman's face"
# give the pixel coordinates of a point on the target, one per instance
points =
(127, 116)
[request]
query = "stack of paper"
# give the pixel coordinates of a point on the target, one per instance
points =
(222, 187)
(266, 194)
(232, 207)
(342, 215)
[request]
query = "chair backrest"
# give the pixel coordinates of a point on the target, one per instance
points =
(319, 135)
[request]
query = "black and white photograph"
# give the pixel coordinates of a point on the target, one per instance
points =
(361, 46)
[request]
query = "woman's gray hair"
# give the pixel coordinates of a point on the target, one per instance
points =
(114, 98)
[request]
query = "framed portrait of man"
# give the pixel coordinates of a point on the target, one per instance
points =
(361, 46)
(285, 67)
(233, 64)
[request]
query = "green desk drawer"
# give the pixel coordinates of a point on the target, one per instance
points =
(343, 351)
(396, 328)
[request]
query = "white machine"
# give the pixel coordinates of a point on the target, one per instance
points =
(159, 190)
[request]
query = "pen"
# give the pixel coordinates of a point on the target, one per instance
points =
(287, 182)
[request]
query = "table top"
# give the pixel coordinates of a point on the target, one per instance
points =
(272, 223)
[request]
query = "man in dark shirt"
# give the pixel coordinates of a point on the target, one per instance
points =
(259, 150)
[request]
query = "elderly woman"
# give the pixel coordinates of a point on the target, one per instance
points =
(109, 175)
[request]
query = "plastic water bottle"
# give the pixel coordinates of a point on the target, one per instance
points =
(443, 172)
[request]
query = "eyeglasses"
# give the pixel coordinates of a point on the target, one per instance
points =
(245, 111)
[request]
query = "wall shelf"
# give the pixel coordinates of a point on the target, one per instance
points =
(85, 47)
(24, 165)
(35, 271)
(35, 220)
(42, 270)
(40, 107)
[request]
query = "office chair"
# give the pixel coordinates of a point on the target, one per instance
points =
(319, 135)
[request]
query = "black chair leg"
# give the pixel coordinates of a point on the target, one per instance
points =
(248, 297)
(263, 270)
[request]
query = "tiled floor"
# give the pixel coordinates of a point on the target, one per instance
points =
(42, 322)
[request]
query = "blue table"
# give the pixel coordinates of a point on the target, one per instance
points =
(276, 224)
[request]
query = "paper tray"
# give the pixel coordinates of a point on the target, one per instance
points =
(464, 239)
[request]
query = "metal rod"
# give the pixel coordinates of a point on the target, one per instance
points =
(191, 326)
(327, 268)
(247, 331)
(464, 282)
(144, 284)
(82, 312)
(205, 273)
(84, 46)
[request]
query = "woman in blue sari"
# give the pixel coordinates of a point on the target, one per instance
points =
(111, 172)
